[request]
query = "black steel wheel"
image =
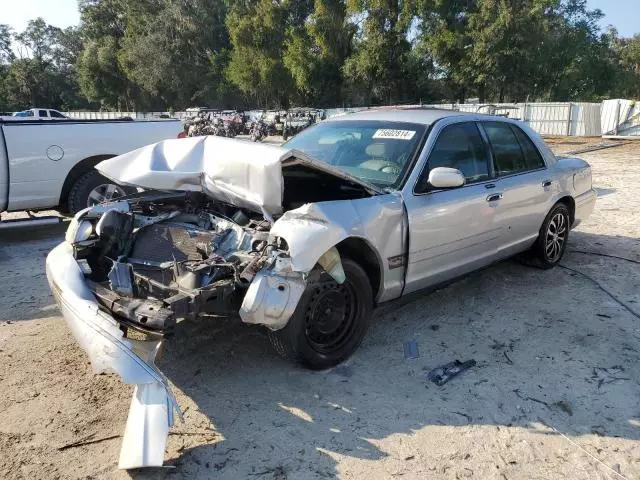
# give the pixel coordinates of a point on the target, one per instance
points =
(330, 320)
(552, 238)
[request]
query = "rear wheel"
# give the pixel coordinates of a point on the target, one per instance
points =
(92, 188)
(552, 238)
(330, 320)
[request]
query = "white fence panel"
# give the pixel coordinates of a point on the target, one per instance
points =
(621, 118)
(611, 117)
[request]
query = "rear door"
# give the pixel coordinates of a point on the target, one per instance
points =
(524, 183)
(43, 114)
(451, 231)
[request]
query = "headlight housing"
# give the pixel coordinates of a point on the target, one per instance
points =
(79, 231)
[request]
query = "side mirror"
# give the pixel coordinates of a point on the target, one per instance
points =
(445, 177)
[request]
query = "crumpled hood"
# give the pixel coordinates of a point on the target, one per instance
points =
(238, 172)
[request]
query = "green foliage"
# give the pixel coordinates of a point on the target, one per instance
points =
(315, 52)
(172, 54)
(256, 30)
(377, 70)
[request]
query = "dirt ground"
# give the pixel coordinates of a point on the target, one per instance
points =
(555, 393)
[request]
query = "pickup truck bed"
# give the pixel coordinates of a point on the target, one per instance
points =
(49, 164)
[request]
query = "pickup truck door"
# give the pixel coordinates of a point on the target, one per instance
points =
(525, 183)
(452, 231)
(4, 173)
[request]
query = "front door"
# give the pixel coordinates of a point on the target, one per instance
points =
(452, 231)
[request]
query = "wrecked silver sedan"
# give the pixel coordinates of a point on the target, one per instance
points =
(303, 239)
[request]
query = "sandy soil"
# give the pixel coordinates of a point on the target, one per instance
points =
(554, 393)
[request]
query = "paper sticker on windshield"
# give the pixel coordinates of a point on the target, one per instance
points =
(395, 134)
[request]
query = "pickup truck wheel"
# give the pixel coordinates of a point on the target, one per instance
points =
(92, 188)
(552, 238)
(330, 320)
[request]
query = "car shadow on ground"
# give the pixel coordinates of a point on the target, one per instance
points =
(555, 354)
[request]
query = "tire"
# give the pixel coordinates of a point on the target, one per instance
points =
(326, 302)
(79, 194)
(552, 238)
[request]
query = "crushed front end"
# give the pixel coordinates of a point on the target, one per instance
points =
(139, 265)
(224, 227)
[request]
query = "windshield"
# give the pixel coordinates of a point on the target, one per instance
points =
(377, 152)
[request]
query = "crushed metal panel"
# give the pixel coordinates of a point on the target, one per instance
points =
(245, 174)
(314, 228)
(242, 173)
(273, 295)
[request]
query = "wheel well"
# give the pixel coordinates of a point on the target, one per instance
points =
(361, 252)
(79, 169)
(571, 205)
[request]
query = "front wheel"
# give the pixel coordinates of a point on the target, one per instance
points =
(552, 238)
(330, 320)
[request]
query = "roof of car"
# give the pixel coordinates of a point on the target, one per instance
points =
(425, 116)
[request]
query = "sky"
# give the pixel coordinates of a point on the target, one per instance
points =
(622, 14)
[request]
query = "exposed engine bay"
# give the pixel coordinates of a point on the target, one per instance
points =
(162, 256)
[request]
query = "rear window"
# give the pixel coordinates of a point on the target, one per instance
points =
(507, 154)
(532, 158)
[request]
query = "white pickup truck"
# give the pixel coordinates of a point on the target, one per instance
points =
(49, 165)
(39, 114)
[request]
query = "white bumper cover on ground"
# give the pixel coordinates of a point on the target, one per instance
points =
(153, 404)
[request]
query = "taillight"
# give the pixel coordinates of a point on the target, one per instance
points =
(181, 134)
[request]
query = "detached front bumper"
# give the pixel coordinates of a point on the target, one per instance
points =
(152, 407)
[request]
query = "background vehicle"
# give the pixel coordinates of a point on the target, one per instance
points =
(39, 114)
(46, 164)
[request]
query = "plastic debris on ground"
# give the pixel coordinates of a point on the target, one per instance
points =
(444, 373)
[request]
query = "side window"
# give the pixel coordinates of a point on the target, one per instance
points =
(459, 146)
(507, 154)
(56, 114)
(43, 113)
(532, 158)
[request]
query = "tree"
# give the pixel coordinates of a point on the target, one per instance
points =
(315, 52)
(6, 57)
(6, 53)
(43, 73)
(256, 30)
(173, 49)
(376, 71)
(101, 79)
(625, 54)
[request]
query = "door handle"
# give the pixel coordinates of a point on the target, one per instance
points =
(546, 183)
(493, 197)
